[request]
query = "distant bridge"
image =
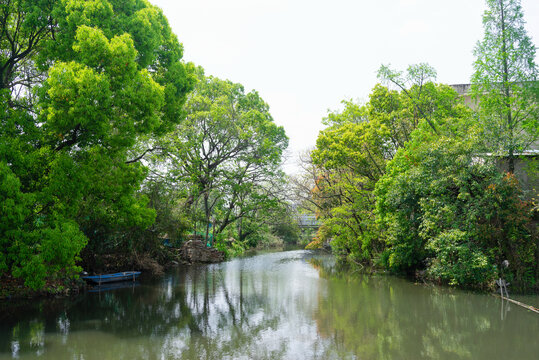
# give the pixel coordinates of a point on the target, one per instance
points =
(308, 221)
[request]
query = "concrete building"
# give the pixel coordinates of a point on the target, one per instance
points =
(527, 164)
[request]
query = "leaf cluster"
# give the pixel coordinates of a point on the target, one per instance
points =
(81, 83)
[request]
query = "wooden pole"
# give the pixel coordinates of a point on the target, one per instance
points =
(525, 306)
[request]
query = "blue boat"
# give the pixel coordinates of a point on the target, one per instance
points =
(106, 278)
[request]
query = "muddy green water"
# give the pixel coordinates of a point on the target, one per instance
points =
(287, 305)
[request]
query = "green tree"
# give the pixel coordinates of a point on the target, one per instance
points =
(453, 215)
(411, 84)
(25, 25)
(505, 81)
(352, 153)
(227, 152)
(344, 189)
(82, 83)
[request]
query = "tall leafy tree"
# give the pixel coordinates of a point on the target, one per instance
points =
(227, 152)
(453, 216)
(81, 83)
(24, 27)
(411, 84)
(352, 153)
(505, 81)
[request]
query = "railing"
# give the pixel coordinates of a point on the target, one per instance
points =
(308, 221)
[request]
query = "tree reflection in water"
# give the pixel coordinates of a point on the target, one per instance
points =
(383, 317)
(240, 309)
(293, 305)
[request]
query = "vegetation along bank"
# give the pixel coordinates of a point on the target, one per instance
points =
(114, 151)
(433, 182)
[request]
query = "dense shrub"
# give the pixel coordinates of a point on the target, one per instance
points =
(452, 213)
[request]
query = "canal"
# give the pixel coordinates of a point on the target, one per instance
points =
(285, 305)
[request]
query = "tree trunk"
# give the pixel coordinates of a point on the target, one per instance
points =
(240, 229)
(207, 213)
(511, 164)
(213, 233)
(507, 91)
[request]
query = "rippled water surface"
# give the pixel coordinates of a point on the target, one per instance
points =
(287, 305)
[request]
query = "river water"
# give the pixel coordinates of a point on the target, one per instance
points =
(286, 305)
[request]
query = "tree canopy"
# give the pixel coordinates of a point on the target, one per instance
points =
(403, 183)
(352, 153)
(81, 83)
(227, 153)
(505, 81)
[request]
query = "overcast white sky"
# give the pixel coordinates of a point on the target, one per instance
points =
(305, 56)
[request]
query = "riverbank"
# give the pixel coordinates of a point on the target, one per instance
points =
(14, 289)
(153, 265)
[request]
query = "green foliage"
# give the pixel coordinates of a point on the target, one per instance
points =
(171, 220)
(48, 253)
(447, 211)
(352, 153)
(287, 229)
(26, 26)
(270, 240)
(411, 84)
(78, 103)
(33, 246)
(352, 161)
(231, 249)
(352, 113)
(401, 182)
(458, 261)
(226, 155)
(82, 83)
(505, 82)
(16, 206)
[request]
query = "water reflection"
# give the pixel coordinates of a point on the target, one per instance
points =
(401, 320)
(292, 305)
